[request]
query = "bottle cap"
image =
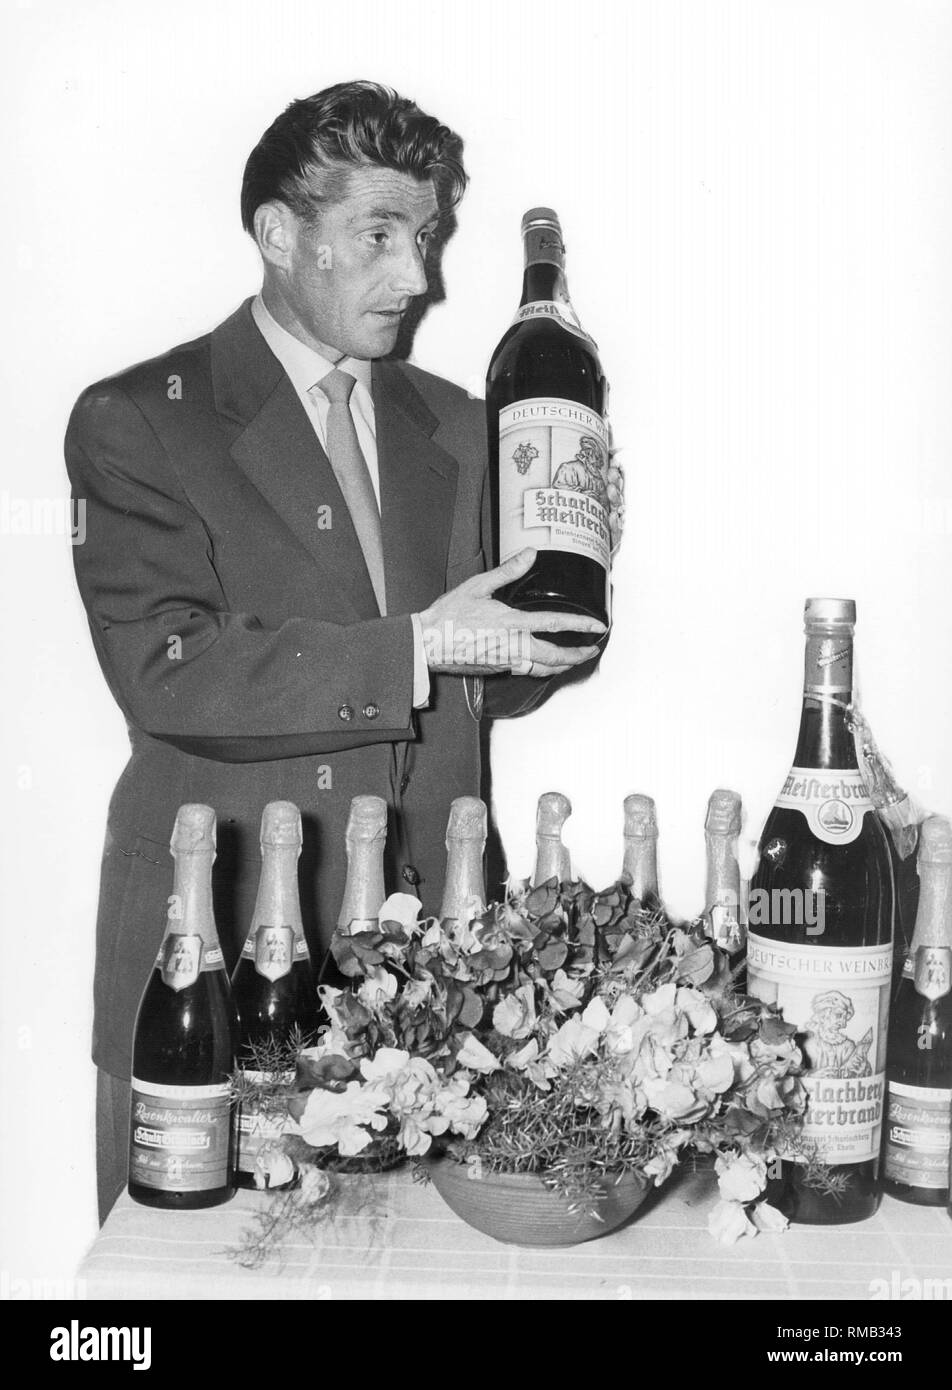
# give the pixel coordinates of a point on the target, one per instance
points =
(194, 830)
(281, 824)
(552, 812)
(367, 819)
(640, 820)
(723, 813)
(836, 614)
(935, 841)
(467, 820)
(540, 217)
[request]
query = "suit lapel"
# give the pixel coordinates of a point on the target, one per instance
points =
(417, 492)
(275, 447)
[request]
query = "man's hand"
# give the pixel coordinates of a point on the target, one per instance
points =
(467, 632)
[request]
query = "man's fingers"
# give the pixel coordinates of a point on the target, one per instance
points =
(513, 568)
(548, 659)
(546, 621)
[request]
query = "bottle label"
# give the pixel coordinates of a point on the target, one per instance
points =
(834, 802)
(553, 479)
(931, 971)
(918, 1135)
(183, 956)
(838, 999)
(180, 1136)
(557, 309)
(726, 928)
(274, 950)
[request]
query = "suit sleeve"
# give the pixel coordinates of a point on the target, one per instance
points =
(506, 697)
(184, 668)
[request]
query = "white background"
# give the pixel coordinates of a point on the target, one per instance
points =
(756, 201)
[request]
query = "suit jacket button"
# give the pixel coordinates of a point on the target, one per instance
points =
(346, 712)
(371, 711)
(411, 875)
(404, 782)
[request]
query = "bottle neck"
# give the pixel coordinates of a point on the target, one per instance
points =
(552, 860)
(544, 280)
(640, 867)
(723, 871)
(364, 891)
(278, 903)
(826, 739)
(464, 880)
(190, 906)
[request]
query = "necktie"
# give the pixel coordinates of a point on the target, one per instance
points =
(353, 476)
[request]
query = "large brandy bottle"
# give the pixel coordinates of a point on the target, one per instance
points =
(820, 933)
(546, 398)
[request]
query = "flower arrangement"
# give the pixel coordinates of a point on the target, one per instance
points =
(563, 1032)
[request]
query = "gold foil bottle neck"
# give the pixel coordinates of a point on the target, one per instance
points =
(935, 841)
(194, 830)
(281, 824)
(552, 811)
(723, 813)
(367, 819)
(467, 820)
(540, 217)
(641, 822)
(829, 615)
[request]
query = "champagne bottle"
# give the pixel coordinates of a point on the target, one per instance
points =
(546, 399)
(273, 983)
(464, 891)
(820, 931)
(181, 1151)
(552, 858)
(640, 863)
(919, 1058)
(364, 891)
(724, 910)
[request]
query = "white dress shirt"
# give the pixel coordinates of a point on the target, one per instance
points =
(305, 367)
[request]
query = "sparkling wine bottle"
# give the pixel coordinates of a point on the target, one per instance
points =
(546, 398)
(365, 839)
(273, 983)
(181, 1151)
(820, 931)
(464, 889)
(552, 858)
(724, 911)
(640, 863)
(919, 1058)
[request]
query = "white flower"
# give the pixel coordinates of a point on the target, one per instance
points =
(520, 1059)
(386, 1063)
(315, 1184)
(571, 1042)
(377, 989)
(698, 1009)
(477, 1057)
(338, 1117)
(401, 907)
(417, 992)
(728, 1222)
(596, 1015)
(660, 1000)
(672, 1100)
(273, 1167)
(715, 1073)
(768, 1218)
(515, 1015)
(742, 1177)
(566, 992)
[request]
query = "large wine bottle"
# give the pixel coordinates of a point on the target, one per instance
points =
(546, 398)
(820, 931)
(919, 1058)
(273, 983)
(639, 869)
(723, 915)
(181, 1151)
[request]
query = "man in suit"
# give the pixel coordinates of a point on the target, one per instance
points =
(283, 526)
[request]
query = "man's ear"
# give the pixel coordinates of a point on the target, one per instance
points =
(275, 232)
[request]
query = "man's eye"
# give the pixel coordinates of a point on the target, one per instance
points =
(378, 238)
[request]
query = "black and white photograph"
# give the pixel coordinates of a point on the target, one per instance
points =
(476, 527)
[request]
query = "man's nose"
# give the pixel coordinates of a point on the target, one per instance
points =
(409, 275)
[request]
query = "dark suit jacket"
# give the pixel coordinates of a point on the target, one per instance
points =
(241, 637)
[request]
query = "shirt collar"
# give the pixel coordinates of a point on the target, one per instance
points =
(304, 365)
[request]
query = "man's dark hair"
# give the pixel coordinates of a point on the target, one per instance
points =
(351, 124)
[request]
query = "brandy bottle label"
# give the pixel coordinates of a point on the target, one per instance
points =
(273, 951)
(553, 479)
(917, 1135)
(556, 309)
(180, 1136)
(834, 802)
(182, 958)
(838, 999)
(931, 970)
